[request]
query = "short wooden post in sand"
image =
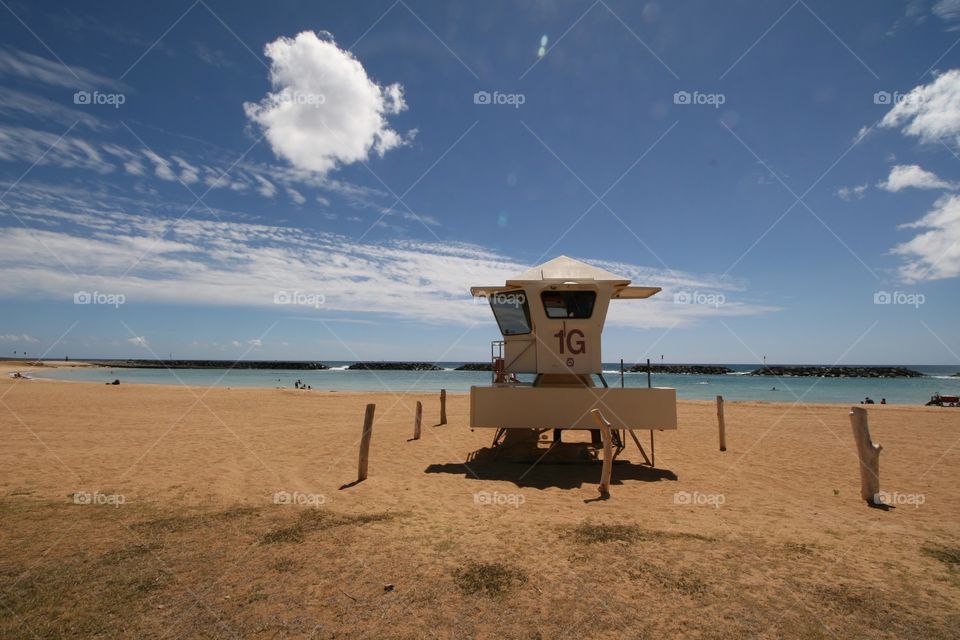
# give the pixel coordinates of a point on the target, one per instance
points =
(607, 470)
(365, 442)
(443, 406)
(869, 455)
(417, 418)
(723, 426)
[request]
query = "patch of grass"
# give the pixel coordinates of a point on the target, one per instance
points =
(283, 565)
(129, 553)
(592, 533)
(179, 523)
(170, 524)
(684, 582)
(311, 520)
(947, 555)
(237, 512)
(491, 578)
(292, 534)
(799, 548)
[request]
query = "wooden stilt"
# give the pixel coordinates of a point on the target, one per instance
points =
(868, 454)
(640, 446)
(607, 452)
(365, 442)
(723, 426)
(443, 406)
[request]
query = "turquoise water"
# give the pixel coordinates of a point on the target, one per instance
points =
(692, 387)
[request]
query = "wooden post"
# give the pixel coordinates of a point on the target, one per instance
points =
(365, 442)
(607, 470)
(416, 420)
(649, 382)
(723, 426)
(868, 454)
(443, 406)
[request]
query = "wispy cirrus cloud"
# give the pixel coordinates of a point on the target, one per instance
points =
(37, 69)
(246, 264)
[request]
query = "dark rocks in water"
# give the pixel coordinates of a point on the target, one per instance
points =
(475, 366)
(209, 364)
(686, 369)
(395, 366)
(837, 372)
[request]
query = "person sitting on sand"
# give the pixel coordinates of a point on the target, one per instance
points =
(867, 400)
(883, 401)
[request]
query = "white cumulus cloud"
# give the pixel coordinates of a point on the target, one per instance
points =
(934, 254)
(324, 110)
(905, 176)
(930, 112)
(138, 341)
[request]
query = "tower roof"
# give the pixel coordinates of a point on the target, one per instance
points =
(563, 268)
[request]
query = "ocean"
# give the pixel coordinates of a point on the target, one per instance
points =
(734, 386)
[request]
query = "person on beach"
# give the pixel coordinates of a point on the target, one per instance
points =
(883, 401)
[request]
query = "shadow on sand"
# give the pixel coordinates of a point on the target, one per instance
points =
(483, 465)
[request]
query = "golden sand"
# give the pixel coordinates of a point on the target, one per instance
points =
(180, 535)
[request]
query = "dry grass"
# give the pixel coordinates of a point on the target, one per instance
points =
(490, 578)
(947, 555)
(257, 572)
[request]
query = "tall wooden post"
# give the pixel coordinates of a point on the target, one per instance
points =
(418, 417)
(868, 454)
(723, 426)
(443, 406)
(365, 442)
(607, 470)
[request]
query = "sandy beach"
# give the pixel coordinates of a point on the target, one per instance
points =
(177, 531)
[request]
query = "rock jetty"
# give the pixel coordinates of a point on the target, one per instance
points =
(475, 366)
(209, 364)
(837, 372)
(685, 369)
(395, 366)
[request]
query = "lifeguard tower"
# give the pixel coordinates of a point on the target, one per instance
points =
(551, 319)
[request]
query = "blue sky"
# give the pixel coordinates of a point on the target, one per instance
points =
(327, 180)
